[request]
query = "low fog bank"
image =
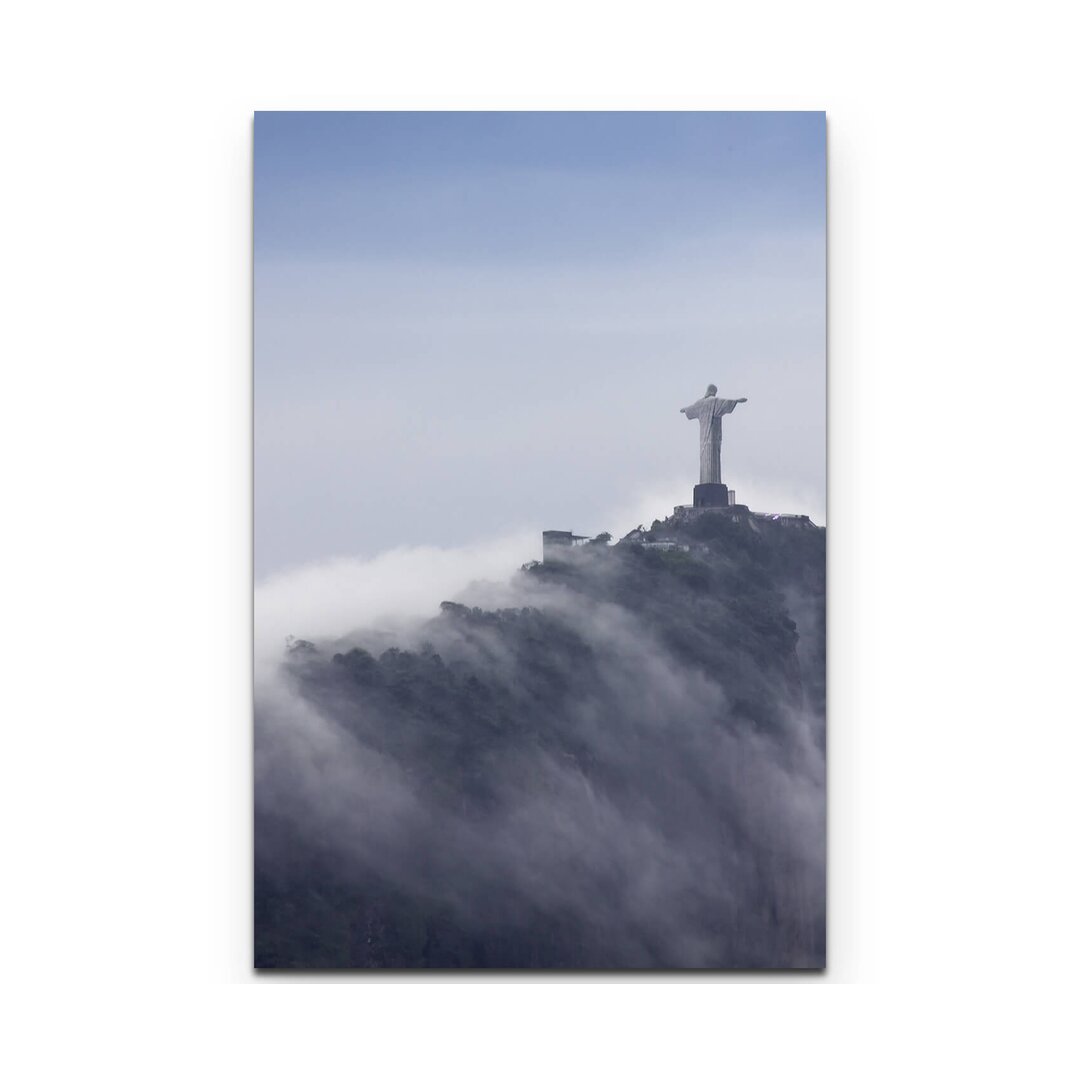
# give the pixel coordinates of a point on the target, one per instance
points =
(613, 762)
(331, 597)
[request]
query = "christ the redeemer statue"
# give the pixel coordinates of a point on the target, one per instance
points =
(707, 412)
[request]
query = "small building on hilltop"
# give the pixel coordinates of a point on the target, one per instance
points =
(791, 521)
(640, 537)
(558, 545)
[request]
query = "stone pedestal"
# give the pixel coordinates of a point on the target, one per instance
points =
(710, 495)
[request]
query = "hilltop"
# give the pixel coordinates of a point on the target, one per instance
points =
(620, 764)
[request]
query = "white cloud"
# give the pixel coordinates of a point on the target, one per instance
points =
(332, 597)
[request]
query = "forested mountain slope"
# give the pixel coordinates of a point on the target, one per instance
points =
(615, 761)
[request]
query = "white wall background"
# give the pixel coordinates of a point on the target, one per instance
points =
(124, 216)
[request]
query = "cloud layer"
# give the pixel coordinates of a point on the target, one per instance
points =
(552, 780)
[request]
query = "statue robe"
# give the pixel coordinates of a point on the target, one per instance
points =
(707, 412)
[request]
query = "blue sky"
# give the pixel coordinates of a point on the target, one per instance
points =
(473, 323)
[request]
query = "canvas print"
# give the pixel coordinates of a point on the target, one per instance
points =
(539, 559)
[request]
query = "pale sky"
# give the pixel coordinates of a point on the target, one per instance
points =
(472, 324)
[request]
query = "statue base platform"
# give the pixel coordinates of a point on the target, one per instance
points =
(708, 495)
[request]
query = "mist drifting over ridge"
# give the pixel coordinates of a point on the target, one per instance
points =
(616, 762)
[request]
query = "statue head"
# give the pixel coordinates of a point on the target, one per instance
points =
(710, 390)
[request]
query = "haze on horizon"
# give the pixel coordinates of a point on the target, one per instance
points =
(476, 324)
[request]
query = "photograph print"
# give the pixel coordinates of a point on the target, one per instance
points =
(539, 541)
